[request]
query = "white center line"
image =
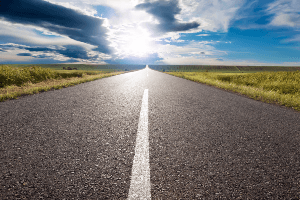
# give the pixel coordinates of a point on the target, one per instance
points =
(147, 69)
(140, 178)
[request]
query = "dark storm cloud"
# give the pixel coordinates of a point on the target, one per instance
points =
(57, 19)
(11, 46)
(164, 12)
(24, 54)
(75, 52)
(38, 49)
(69, 51)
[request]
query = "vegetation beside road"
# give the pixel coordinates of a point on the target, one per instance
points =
(86, 67)
(282, 88)
(220, 68)
(18, 81)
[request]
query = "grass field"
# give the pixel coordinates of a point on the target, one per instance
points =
(20, 80)
(222, 69)
(85, 67)
(282, 88)
(280, 85)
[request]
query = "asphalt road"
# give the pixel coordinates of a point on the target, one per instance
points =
(204, 143)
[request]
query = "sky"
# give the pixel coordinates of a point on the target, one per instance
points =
(176, 32)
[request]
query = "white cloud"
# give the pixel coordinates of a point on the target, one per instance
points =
(129, 38)
(294, 39)
(213, 15)
(190, 60)
(283, 19)
(194, 51)
(18, 34)
(290, 64)
(124, 29)
(286, 13)
(86, 6)
(11, 55)
(137, 46)
(201, 35)
(126, 26)
(27, 34)
(124, 9)
(79, 6)
(284, 6)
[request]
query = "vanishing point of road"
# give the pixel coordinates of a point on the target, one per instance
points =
(147, 135)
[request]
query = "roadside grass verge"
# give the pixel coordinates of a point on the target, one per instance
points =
(281, 88)
(221, 68)
(85, 67)
(19, 82)
(18, 76)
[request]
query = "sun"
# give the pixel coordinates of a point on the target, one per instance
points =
(138, 46)
(136, 43)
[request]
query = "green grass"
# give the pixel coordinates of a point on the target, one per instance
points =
(19, 81)
(18, 76)
(85, 67)
(282, 88)
(87, 72)
(223, 69)
(280, 82)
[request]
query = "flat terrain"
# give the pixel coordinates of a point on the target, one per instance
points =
(222, 68)
(86, 67)
(20, 81)
(204, 143)
(281, 87)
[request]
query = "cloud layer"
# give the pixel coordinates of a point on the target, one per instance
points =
(214, 15)
(286, 13)
(58, 19)
(65, 53)
(149, 31)
(164, 12)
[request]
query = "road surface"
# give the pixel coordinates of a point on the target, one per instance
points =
(147, 135)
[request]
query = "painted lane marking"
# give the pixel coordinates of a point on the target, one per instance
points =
(140, 178)
(147, 69)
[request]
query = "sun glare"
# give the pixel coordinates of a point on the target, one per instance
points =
(138, 47)
(136, 43)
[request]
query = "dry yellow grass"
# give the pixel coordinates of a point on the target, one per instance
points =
(285, 95)
(13, 91)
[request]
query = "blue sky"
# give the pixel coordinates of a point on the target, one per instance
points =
(177, 32)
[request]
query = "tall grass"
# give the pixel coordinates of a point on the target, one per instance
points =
(18, 76)
(18, 81)
(220, 68)
(280, 82)
(282, 88)
(87, 67)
